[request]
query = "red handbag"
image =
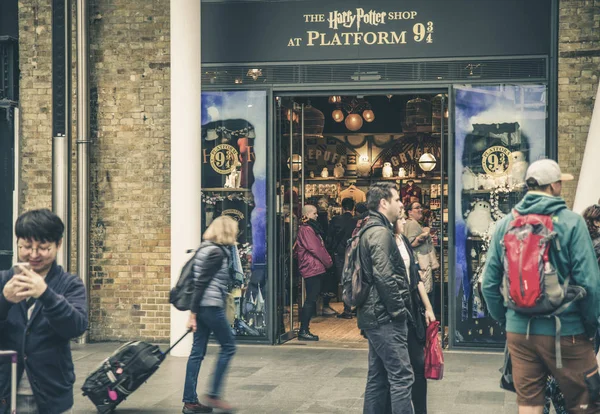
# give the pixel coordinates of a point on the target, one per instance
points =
(434, 358)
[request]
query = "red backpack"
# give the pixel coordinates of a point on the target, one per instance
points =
(531, 285)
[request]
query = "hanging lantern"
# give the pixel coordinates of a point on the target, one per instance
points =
(354, 122)
(337, 115)
(296, 163)
(335, 99)
(368, 115)
(427, 162)
(314, 122)
(418, 115)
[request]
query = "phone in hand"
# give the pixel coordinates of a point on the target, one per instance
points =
(20, 266)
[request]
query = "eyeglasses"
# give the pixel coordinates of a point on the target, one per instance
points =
(42, 251)
(417, 208)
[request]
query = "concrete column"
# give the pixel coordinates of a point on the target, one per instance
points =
(185, 148)
(588, 190)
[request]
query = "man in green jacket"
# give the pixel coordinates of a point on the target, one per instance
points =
(534, 355)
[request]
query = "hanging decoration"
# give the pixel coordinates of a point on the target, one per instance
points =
(214, 199)
(357, 108)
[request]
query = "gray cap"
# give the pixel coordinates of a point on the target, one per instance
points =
(546, 172)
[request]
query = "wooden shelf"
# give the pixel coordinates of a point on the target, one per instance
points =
(226, 190)
(475, 192)
(372, 179)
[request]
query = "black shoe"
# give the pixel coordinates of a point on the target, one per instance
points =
(345, 315)
(193, 408)
(305, 335)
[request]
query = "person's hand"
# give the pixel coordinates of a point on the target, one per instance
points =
(426, 231)
(192, 324)
(31, 284)
(429, 316)
(11, 288)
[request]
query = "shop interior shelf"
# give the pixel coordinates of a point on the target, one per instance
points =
(224, 190)
(475, 192)
(372, 179)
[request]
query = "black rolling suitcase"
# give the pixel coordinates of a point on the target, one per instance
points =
(119, 375)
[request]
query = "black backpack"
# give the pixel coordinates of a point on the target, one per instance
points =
(355, 287)
(181, 295)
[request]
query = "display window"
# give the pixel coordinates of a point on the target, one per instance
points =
(234, 176)
(499, 131)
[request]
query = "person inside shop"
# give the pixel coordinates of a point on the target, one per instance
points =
(420, 240)
(340, 231)
(416, 329)
(313, 262)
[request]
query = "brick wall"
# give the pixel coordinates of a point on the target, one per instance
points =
(35, 56)
(130, 220)
(578, 72)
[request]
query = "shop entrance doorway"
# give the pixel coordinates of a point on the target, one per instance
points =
(333, 147)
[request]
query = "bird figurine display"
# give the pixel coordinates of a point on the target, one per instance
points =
(324, 173)
(339, 170)
(518, 168)
(480, 218)
(387, 171)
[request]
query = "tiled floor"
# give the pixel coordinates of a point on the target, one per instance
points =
(303, 379)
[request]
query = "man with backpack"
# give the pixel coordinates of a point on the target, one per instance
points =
(542, 282)
(382, 304)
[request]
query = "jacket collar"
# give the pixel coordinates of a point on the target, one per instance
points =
(377, 217)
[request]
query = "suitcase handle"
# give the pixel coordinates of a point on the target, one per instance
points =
(13, 390)
(175, 344)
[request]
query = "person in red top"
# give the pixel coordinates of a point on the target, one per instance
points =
(313, 262)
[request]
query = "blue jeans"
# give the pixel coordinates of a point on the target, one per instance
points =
(209, 319)
(390, 376)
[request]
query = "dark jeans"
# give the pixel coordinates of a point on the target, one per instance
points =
(390, 372)
(313, 288)
(339, 270)
(209, 319)
(416, 351)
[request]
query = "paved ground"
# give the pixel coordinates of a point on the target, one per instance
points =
(302, 379)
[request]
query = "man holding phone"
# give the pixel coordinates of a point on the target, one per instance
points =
(42, 308)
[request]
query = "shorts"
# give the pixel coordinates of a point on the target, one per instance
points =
(534, 359)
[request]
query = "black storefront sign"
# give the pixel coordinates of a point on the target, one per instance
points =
(288, 31)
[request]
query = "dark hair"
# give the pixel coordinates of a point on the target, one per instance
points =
(378, 192)
(40, 225)
(348, 204)
(410, 205)
(589, 215)
(532, 185)
(361, 208)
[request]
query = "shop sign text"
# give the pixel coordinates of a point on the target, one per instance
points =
(359, 26)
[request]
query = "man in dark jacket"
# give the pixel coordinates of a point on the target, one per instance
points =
(42, 308)
(340, 231)
(383, 316)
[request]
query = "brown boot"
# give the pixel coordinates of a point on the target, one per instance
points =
(196, 407)
(219, 404)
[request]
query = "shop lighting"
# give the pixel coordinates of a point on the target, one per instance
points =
(354, 107)
(254, 73)
(427, 162)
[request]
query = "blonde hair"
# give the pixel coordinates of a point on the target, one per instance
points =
(223, 230)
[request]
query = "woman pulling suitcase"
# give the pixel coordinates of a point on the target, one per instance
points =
(212, 276)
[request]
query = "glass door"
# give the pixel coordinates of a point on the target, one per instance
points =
(290, 184)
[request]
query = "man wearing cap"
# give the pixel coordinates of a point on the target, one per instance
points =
(533, 356)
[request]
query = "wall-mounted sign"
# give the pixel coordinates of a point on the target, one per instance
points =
(223, 158)
(359, 26)
(496, 160)
(280, 31)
